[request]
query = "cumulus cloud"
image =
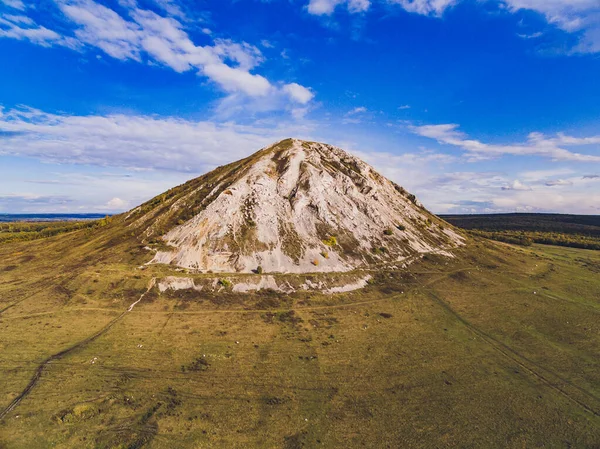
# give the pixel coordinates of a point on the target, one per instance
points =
(31, 202)
(425, 7)
(16, 4)
(143, 35)
(569, 15)
(171, 8)
(516, 185)
(149, 154)
(537, 176)
(117, 204)
(355, 115)
(23, 28)
(573, 201)
(459, 194)
(356, 110)
(326, 7)
(572, 16)
(299, 93)
(140, 142)
(537, 144)
(531, 36)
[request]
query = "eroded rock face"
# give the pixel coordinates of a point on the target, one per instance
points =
(300, 207)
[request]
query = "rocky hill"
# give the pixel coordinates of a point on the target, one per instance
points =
(293, 207)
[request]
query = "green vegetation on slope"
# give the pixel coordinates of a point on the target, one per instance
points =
(526, 238)
(32, 230)
(495, 348)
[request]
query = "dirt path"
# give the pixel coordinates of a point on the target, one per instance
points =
(40, 369)
(250, 311)
(556, 382)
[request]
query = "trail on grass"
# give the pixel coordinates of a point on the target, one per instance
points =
(553, 380)
(409, 288)
(40, 369)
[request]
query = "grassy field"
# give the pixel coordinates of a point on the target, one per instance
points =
(496, 348)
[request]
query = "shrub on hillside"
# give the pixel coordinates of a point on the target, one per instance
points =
(331, 241)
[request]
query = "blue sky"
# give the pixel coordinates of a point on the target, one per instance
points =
(473, 105)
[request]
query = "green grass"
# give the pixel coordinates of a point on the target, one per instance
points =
(496, 348)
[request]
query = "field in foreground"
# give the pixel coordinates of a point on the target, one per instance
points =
(495, 348)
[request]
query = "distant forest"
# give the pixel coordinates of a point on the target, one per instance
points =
(578, 231)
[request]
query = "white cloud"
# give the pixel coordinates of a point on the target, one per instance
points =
(536, 176)
(356, 110)
(530, 36)
(355, 116)
(161, 152)
(139, 142)
(558, 182)
(235, 80)
(143, 35)
(537, 144)
(16, 19)
(565, 13)
(298, 93)
(425, 7)
(16, 4)
(117, 204)
(31, 202)
(23, 28)
(171, 8)
(573, 201)
(516, 185)
(326, 7)
(569, 15)
(246, 56)
(164, 39)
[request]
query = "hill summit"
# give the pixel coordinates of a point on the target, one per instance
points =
(292, 207)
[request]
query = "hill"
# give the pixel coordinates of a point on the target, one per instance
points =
(291, 207)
